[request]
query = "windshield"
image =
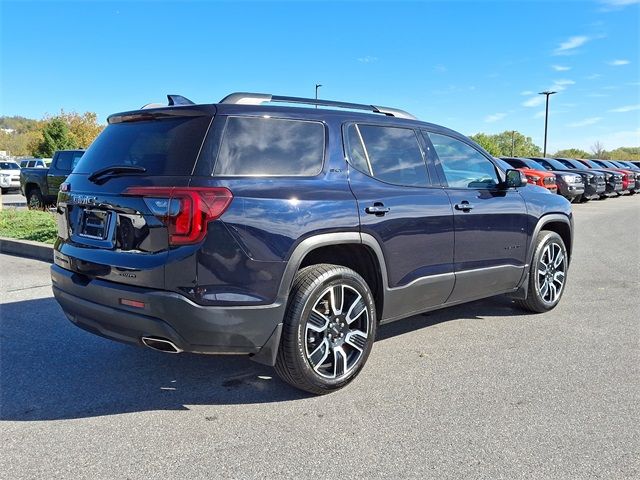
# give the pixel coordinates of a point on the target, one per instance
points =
(534, 165)
(576, 164)
(556, 164)
(9, 166)
(162, 146)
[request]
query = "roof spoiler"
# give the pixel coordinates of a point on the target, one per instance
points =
(246, 98)
(174, 100)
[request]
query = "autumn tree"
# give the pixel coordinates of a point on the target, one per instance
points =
(83, 128)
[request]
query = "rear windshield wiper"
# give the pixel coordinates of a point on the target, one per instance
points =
(115, 170)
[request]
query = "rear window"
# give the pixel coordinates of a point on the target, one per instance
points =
(163, 146)
(68, 160)
(264, 146)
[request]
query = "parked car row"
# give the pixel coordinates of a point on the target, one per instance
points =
(580, 180)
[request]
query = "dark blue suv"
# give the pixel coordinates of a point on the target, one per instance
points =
(289, 233)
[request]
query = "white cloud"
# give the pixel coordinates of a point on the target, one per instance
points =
(440, 68)
(567, 47)
(619, 3)
(618, 63)
(495, 117)
(585, 122)
(598, 95)
(623, 138)
(560, 68)
(626, 108)
(593, 76)
(539, 114)
(564, 82)
(526, 92)
(368, 59)
(534, 101)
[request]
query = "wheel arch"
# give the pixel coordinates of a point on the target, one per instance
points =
(359, 252)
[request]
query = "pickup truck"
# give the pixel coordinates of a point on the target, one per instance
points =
(41, 185)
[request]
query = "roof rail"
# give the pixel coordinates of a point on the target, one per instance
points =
(173, 101)
(246, 98)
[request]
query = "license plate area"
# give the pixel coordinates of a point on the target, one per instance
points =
(94, 224)
(95, 228)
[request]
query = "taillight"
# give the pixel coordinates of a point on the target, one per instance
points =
(184, 210)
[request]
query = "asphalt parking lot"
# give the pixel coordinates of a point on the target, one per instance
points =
(476, 391)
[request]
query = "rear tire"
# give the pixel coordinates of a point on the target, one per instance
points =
(35, 201)
(329, 329)
(547, 273)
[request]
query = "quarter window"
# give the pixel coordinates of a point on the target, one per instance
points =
(270, 146)
(463, 165)
(390, 154)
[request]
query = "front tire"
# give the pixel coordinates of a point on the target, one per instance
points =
(547, 273)
(35, 201)
(329, 329)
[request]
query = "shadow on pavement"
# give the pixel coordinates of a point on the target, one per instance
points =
(50, 369)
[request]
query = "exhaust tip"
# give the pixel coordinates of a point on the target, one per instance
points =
(160, 344)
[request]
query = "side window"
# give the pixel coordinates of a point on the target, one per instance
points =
(31, 164)
(392, 154)
(63, 162)
(356, 154)
(270, 146)
(463, 165)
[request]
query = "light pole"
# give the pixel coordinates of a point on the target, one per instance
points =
(546, 119)
(513, 141)
(318, 85)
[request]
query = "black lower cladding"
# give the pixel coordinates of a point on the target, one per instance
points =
(96, 305)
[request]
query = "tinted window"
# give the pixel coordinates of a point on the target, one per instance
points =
(63, 162)
(394, 155)
(270, 146)
(31, 164)
(356, 154)
(463, 165)
(515, 163)
(9, 166)
(164, 147)
(534, 165)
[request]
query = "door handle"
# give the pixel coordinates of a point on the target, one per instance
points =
(464, 206)
(378, 209)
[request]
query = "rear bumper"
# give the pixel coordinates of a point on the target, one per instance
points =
(94, 305)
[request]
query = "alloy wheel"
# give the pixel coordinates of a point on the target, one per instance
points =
(552, 268)
(337, 331)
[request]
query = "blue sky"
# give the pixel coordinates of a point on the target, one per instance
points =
(472, 66)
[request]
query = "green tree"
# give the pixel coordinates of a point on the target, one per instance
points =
(571, 153)
(486, 142)
(625, 153)
(55, 136)
(508, 143)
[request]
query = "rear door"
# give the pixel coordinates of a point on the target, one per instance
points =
(489, 221)
(116, 225)
(409, 217)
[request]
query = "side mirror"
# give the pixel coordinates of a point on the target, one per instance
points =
(515, 179)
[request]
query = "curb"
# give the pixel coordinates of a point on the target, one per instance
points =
(27, 248)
